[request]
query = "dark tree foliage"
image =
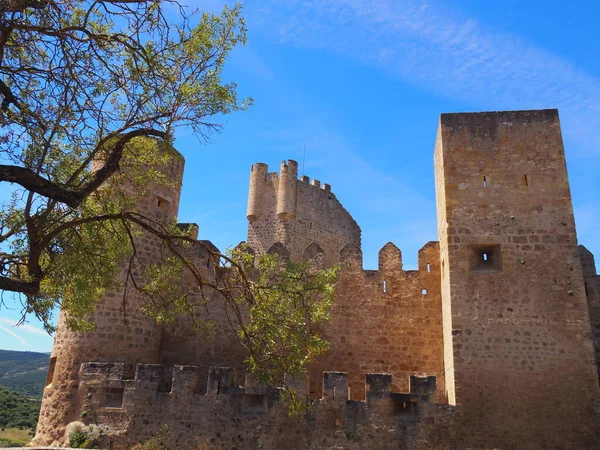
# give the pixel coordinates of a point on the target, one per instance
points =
(17, 410)
(88, 81)
(79, 80)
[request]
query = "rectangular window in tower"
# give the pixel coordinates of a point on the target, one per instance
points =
(162, 205)
(50, 375)
(524, 181)
(485, 183)
(485, 259)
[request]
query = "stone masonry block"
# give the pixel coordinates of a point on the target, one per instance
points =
(335, 386)
(424, 387)
(253, 386)
(300, 385)
(99, 370)
(220, 380)
(184, 379)
(149, 374)
(378, 385)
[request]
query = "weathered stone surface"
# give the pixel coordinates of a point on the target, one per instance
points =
(487, 345)
(518, 353)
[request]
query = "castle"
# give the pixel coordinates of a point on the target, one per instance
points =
(489, 344)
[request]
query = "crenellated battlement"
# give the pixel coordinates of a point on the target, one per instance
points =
(282, 186)
(137, 401)
(115, 386)
(184, 380)
(260, 172)
(284, 211)
(315, 183)
(200, 251)
(390, 258)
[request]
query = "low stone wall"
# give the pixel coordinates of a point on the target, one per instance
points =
(250, 416)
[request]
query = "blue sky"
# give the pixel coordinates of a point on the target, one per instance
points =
(362, 83)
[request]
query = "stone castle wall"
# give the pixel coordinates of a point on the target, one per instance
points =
(182, 344)
(123, 332)
(251, 416)
(518, 316)
(301, 216)
(498, 312)
(386, 321)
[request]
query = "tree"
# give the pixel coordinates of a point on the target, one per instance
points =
(286, 303)
(89, 81)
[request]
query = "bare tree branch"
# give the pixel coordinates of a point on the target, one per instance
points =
(14, 6)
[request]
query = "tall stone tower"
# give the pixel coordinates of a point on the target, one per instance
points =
(296, 218)
(123, 332)
(519, 362)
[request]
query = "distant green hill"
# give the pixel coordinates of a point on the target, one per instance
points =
(24, 372)
(18, 410)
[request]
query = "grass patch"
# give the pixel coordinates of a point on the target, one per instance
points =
(15, 437)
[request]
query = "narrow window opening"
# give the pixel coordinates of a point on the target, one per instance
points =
(485, 258)
(428, 267)
(218, 387)
(402, 405)
(162, 205)
(524, 181)
(484, 182)
(586, 289)
(51, 367)
(384, 286)
(424, 292)
(334, 392)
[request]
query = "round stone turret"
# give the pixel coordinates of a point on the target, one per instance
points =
(256, 196)
(124, 333)
(287, 192)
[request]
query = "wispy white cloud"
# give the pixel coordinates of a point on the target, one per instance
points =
(23, 327)
(433, 46)
(13, 334)
(427, 44)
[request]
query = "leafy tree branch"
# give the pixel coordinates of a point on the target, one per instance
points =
(91, 94)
